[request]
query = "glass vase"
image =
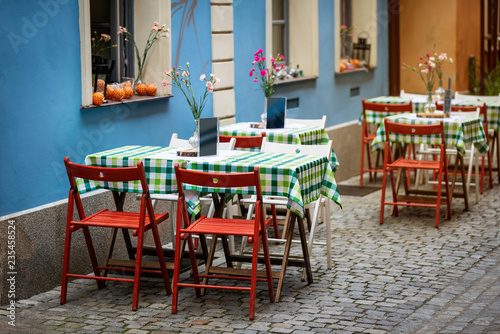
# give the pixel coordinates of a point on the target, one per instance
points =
(194, 139)
(140, 75)
(430, 106)
(439, 92)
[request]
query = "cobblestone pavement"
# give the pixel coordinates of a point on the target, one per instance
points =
(404, 276)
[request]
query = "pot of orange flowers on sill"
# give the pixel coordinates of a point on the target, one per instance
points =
(155, 34)
(427, 71)
(181, 79)
(267, 78)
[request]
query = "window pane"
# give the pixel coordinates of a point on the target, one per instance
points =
(278, 39)
(278, 10)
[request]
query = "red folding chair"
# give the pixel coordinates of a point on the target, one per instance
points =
(243, 141)
(254, 229)
(367, 136)
(390, 166)
(139, 222)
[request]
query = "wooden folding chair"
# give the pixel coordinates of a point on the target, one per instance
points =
(250, 142)
(254, 229)
(390, 166)
(367, 136)
(139, 222)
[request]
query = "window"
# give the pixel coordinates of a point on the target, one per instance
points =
(359, 44)
(280, 27)
(292, 30)
(106, 17)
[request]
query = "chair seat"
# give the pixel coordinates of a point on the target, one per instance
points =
(118, 219)
(421, 164)
(222, 226)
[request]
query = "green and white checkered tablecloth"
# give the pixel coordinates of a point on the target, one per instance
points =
(458, 132)
(492, 111)
(378, 117)
(301, 178)
(304, 135)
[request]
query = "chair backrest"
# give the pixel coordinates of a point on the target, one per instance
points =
(227, 146)
(482, 98)
(473, 111)
(405, 95)
(414, 130)
(243, 141)
(105, 174)
(320, 122)
(179, 143)
(320, 149)
(387, 107)
(218, 180)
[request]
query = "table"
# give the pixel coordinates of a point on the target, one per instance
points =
(291, 134)
(300, 178)
(458, 132)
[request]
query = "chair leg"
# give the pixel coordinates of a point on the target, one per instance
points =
(275, 221)
(285, 227)
(161, 260)
(382, 201)
(64, 284)
(253, 284)
(93, 257)
(138, 269)
(362, 164)
(177, 266)
(438, 199)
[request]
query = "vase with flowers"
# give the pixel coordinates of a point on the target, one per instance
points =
(181, 79)
(441, 60)
(426, 71)
(266, 76)
(346, 35)
(157, 31)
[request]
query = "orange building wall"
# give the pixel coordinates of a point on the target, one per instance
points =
(424, 24)
(468, 40)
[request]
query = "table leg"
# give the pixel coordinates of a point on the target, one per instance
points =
(288, 244)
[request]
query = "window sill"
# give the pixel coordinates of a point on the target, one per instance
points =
(356, 70)
(133, 99)
(299, 79)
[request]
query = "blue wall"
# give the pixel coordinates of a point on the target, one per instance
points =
(41, 92)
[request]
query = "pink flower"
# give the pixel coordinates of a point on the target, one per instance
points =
(263, 72)
(251, 72)
(185, 73)
(257, 58)
(164, 83)
(272, 60)
(210, 86)
(255, 80)
(259, 51)
(157, 37)
(263, 58)
(217, 80)
(177, 73)
(168, 72)
(282, 66)
(202, 77)
(155, 28)
(167, 35)
(156, 23)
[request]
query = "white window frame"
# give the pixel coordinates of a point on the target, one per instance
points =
(159, 58)
(302, 35)
(364, 19)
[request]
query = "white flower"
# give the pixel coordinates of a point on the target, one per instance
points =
(431, 58)
(202, 77)
(451, 60)
(424, 70)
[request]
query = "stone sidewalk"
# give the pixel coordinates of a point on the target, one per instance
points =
(404, 276)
